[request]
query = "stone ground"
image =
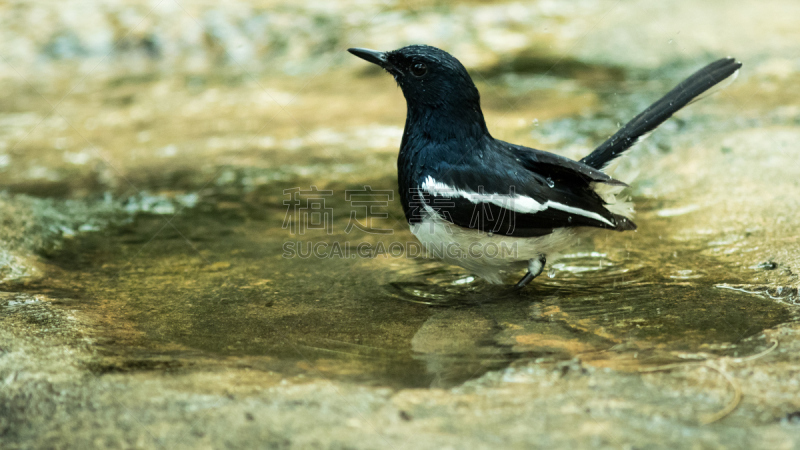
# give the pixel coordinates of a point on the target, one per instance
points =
(745, 193)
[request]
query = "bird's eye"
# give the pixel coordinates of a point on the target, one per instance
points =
(419, 69)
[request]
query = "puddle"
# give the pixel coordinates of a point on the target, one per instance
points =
(211, 287)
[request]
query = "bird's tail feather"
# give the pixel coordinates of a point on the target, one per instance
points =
(688, 91)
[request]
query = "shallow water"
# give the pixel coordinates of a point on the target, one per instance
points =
(211, 287)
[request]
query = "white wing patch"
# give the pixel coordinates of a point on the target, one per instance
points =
(518, 203)
(578, 211)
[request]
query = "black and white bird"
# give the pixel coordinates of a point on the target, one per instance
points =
(464, 191)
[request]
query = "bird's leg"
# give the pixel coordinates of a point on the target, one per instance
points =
(535, 267)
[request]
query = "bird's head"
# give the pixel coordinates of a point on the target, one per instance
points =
(428, 76)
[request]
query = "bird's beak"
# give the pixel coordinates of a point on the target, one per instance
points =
(372, 56)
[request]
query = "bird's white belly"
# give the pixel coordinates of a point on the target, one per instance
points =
(483, 254)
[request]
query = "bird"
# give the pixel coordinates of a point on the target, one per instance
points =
(493, 207)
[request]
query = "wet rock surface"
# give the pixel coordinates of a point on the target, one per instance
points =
(146, 300)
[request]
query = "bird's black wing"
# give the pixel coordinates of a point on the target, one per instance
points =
(516, 191)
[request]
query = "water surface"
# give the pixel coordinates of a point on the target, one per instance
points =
(212, 287)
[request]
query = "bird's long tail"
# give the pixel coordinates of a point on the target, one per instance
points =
(688, 91)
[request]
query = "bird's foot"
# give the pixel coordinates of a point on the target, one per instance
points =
(535, 267)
